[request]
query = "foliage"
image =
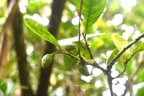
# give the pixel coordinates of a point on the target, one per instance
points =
(91, 10)
(3, 86)
(68, 72)
(41, 31)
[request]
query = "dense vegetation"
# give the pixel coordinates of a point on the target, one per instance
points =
(71, 48)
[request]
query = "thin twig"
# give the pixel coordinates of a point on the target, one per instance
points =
(88, 48)
(84, 35)
(96, 65)
(125, 66)
(109, 67)
(79, 35)
(80, 10)
(71, 55)
(122, 51)
(135, 70)
(79, 26)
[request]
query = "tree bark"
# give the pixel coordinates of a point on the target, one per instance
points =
(4, 35)
(44, 83)
(22, 63)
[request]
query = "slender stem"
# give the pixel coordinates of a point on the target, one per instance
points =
(79, 35)
(132, 75)
(73, 56)
(122, 51)
(79, 27)
(109, 67)
(96, 65)
(125, 66)
(87, 45)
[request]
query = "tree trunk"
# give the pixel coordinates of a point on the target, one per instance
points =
(22, 63)
(44, 83)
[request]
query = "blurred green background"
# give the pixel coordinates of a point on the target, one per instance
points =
(124, 17)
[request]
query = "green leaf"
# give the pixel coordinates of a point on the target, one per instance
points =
(139, 76)
(140, 91)
(129, 68)
(3, 86)
(91, 10)
(140, 47)
(40, 30)
(120, 43)
(83, 69)
(84, 52)
(70, 47)
(69, 61)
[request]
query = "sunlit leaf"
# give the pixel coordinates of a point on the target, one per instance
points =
(40, 30)
(139, 47)
(91, 10)
(120, 43)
